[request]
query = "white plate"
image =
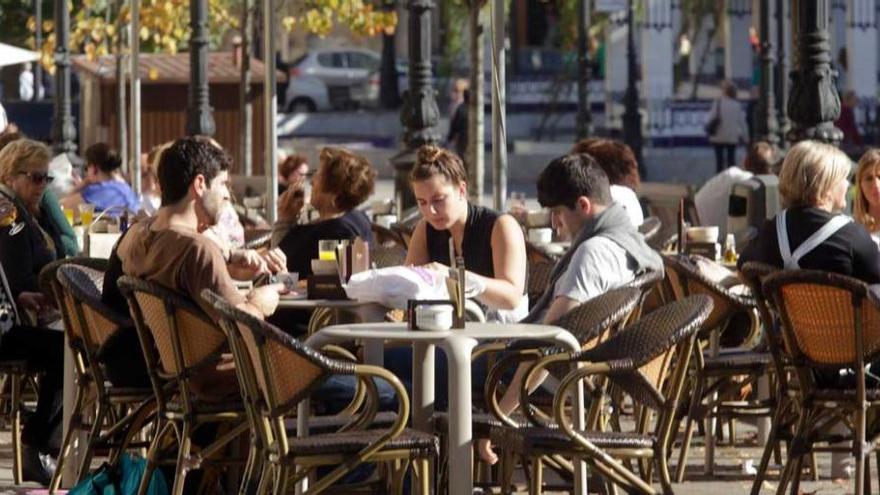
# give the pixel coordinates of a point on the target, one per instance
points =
(293, 296)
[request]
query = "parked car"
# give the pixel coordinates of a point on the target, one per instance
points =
(332, 79)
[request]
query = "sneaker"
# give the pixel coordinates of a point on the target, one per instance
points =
(36, 466)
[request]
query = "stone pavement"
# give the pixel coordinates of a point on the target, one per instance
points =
(729, 478)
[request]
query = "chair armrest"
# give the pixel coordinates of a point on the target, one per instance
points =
(368, 372)
(494, 380)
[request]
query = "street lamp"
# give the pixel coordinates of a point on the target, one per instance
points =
(766, 125)
(419, 114)
(632, 119)
(780, 76)
(63, 128)
(813, 105)
(199, 120)
(583, 32)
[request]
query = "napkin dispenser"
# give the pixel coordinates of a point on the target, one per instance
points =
(328, 276)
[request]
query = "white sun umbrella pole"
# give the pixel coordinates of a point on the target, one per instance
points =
(134, 152)
(499, 119)
(270, 107)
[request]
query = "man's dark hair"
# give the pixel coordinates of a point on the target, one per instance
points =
(569, 177)
(183, 161)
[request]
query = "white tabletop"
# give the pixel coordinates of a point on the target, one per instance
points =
(303, 303)
(474, 330)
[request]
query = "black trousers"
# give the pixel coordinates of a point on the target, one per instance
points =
(43, 349)
(720, 150)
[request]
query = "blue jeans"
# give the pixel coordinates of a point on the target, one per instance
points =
(399, 361)
(338, 390)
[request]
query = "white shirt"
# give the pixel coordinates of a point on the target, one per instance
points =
(627, 198)
(597, 266)
(713, 198)
(3, 120)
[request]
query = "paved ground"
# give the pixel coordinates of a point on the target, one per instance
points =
(729, 479)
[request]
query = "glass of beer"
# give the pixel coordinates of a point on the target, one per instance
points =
(327, 249)
(86, 213)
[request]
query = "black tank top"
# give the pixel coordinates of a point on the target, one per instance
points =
(476, 246)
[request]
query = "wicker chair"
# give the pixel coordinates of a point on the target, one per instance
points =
(119, 412)
(783, 403)
(383, 236)
(17, 373)
(287, 372)
(590, 323)
(649, 361)
(387, 255)
(181, 342)
(715, 391)
(818, 309)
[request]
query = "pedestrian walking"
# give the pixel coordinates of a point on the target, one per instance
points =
(726, 126)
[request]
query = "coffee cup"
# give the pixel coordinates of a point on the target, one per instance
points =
(538, 218)
(542, 235)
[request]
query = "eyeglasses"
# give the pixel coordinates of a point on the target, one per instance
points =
(38, 177)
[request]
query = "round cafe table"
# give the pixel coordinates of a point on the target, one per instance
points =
(458, 346)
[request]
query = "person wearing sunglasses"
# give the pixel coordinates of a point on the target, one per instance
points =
(28, 242)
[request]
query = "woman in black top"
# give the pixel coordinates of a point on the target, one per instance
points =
(813, 184)
(342, 182)
(491, 244)
(26, 246)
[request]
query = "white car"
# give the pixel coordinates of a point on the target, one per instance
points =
(331, 79)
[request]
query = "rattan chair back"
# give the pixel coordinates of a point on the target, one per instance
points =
(754, 274)
(286, 370)
(538, 279)
(649, 346)
(593, 321)
(91, 320)
(828, 319)
(384, 256)
(691, 282)
(177, 337)
(383, 236)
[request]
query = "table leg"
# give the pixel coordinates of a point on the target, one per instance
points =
(71, 464)
(458, 354)
(423, 386)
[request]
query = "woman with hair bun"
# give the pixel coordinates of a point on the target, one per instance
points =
(103, 185)
(491, 244)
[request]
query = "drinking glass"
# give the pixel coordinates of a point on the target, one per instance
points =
(68, 214)
(327, 249)
(86, 212)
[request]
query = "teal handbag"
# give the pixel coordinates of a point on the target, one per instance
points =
(122, 479)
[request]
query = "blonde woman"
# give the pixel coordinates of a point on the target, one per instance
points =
(866, 206)
(811, 233)
(27, 244)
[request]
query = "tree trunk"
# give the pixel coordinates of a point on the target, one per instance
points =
(476, 164)
(245, 105)
(121, 101)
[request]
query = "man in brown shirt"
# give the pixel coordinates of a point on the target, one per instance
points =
(168, 248)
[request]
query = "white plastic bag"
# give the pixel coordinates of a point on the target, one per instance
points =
(394, 285)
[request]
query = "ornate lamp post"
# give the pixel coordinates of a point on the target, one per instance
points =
(766, 125)
(813, 105)
(583, 27)
(419, 114)
(63, 128)
(38, 44)
(199, 119)
(632, 119)
(780, 75)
